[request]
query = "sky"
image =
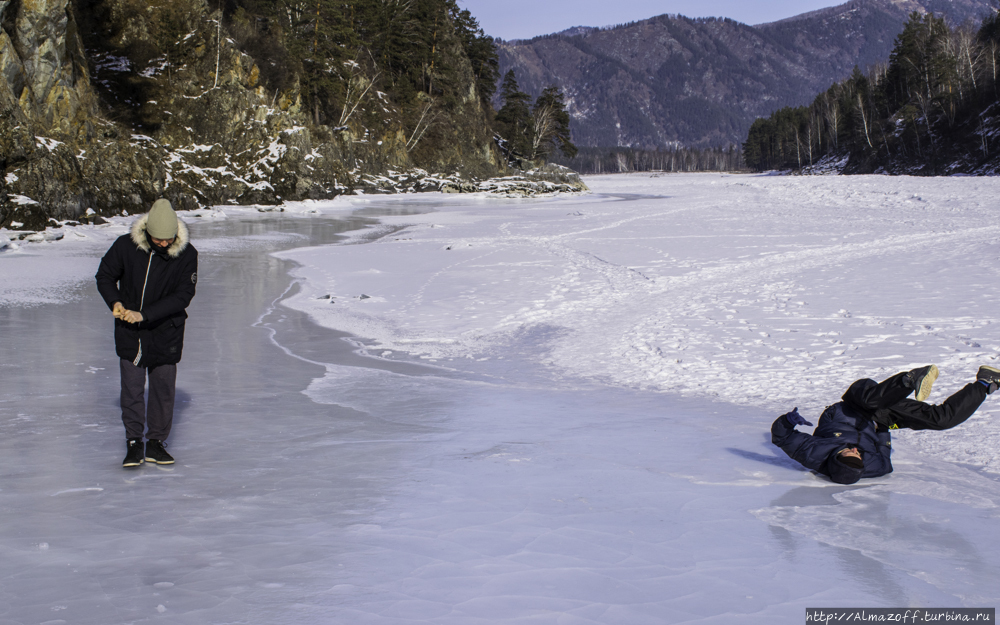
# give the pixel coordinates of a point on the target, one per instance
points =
(523, 19)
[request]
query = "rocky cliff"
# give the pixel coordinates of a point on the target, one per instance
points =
(106, 105)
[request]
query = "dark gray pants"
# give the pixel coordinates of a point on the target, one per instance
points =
(160, 414)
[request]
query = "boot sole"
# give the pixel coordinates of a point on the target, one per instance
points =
(159, 461)
(925, 385)
(993, 370)
(131, 464)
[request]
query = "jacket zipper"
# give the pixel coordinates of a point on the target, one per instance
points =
(142, 301)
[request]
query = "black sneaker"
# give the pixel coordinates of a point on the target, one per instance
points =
(990, 376)
(156, 453)
(133, 457)
(922, 380)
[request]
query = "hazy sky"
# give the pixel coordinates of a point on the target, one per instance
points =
(522, 19)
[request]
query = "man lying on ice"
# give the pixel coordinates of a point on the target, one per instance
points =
(852, 439)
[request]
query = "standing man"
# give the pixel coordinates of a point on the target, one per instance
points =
(148, 278)
(852, 439)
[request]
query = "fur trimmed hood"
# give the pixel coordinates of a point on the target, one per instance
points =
(138, 234)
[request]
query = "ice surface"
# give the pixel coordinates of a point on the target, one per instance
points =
(560, 419)
(53, 271)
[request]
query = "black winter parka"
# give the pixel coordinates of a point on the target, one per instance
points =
(840, 426)
(157, 283)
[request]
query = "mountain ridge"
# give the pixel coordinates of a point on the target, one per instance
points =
(671, 80)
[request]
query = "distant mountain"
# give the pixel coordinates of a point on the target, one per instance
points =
(577, 30)
(672, 80)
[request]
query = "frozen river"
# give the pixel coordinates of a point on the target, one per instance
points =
(548, 411)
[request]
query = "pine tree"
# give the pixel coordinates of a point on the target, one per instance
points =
(513, 120)
(481, 50)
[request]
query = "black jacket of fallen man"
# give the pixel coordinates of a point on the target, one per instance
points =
(840, 426)
(157, 283)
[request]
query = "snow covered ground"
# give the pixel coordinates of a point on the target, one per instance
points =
(484, 410)
(761, 291)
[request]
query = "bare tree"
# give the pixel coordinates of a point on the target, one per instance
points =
(358, 86)
(621, 161)
(926, 105)
(543, 129)
(550, 125)
(967, 53)
(864, 119)
(798, 147)
(831, 112)
(427, 118)
(983, 137)
(993, 60)
(813, 123)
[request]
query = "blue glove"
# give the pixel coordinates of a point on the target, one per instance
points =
(795, 418)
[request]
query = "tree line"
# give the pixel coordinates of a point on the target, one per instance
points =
(592, 160)
(930, 104)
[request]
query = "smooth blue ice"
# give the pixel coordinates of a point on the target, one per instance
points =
(316, 485)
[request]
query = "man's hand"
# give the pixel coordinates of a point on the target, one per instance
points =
(881, 427)
(118, 310)
(795, 418)
(131, 316)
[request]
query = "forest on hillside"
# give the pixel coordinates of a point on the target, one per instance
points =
(371, 66)
(701, 82)
(404, 48)
(933, 108)
(108, 105)
(619, 102)
(375, 64)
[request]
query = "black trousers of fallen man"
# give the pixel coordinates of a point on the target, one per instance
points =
(887, 404)
(162, 386)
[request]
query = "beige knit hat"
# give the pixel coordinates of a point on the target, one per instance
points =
(161, 223)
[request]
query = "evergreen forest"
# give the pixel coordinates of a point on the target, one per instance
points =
(412, 51)
(421, 68)
(933, 108)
